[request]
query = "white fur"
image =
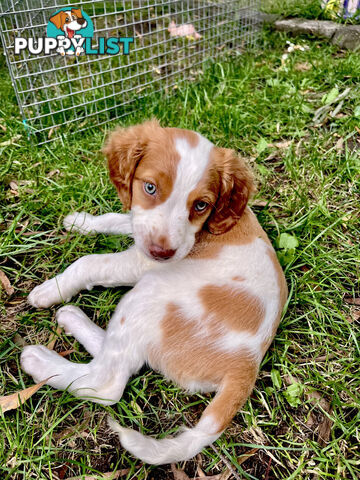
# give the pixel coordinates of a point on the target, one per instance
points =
(134, 328)
(171, 218)
(170, 449)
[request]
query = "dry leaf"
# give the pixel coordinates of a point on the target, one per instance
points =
(3, 128)
(281, 145)
(246, 455)
(178, 474)
(53, 172)
(65, 353)
(352, 301)
(10, 402)
(53, 338)
(302, 66)
(11, 141)
(5, 282)
(354, 315)
(109, 475)
(19, 341)
(339, 146)
(14, 185)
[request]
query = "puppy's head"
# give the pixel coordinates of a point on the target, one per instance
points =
(176, 183)
(69, 21)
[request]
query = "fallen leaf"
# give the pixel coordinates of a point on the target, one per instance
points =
(354, 315)
(178, 474)
(246, 455)
(65, 353)
(10, 402)
(14, 185)
(53, 337)
(109, 475)
(352, 301)
(19, 341)
(302, 66)
(11, 141)
(53, 172)
(3, 128)
(339, 146)
(5, 282)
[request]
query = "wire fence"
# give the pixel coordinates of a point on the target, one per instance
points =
(58, 94)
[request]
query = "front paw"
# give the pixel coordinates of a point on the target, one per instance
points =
(81, 222)
(42, 364)
(48, 293)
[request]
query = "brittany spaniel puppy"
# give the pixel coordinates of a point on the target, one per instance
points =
(208, 288)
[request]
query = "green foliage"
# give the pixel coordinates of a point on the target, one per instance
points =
(308, 203)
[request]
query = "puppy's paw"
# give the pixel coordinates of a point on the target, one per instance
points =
(72, 319)
(81, 222)
(47, 294)
(41, 363)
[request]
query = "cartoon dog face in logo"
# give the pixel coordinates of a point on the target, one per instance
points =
(69, 21)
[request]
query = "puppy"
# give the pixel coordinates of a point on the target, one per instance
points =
(208, 289)
(70, 22)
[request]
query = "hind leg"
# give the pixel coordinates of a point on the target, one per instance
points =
(76, 323)
(122, 353)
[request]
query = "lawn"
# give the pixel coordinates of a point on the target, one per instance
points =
(302, 420)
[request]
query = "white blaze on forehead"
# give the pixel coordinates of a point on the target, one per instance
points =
(191, 168)
(171, 218)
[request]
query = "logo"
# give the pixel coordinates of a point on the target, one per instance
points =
(70, 31)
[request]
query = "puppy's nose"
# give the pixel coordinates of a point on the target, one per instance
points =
(160, 253)
(81, 21)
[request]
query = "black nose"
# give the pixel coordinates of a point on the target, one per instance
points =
(81, 21)
(160, 253)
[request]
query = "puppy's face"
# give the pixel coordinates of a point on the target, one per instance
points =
(176, 183)
(69, 21)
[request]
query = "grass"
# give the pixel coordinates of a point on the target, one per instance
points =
(302, 419)
(310, 9)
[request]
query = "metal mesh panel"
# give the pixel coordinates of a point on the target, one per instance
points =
(59, 95)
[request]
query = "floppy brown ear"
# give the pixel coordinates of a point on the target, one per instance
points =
(236, 186)
(124, 149)
(77, 12)
(58, 20)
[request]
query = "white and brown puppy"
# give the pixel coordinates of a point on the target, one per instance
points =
(70, 22)
(208, 294)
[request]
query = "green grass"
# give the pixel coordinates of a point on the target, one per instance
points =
(310, 9)
(308, 188)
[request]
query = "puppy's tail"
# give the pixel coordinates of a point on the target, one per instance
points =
(191, 441)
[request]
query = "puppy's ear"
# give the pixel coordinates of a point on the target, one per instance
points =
(124, 150)
(58, 19)
(77, 12)
(236, 186)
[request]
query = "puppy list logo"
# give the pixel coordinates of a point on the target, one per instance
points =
(70, 32)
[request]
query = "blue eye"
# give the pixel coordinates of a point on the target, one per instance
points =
(200, 206)
(149, 188)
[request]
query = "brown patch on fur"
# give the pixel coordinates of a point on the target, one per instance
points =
(245, 231)
(238, 278)
(186, 356)
(122, 321)
(191, 137)
(238, 309)
(192, 357)
(59, 19)
(232, 395)
(144, 153)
